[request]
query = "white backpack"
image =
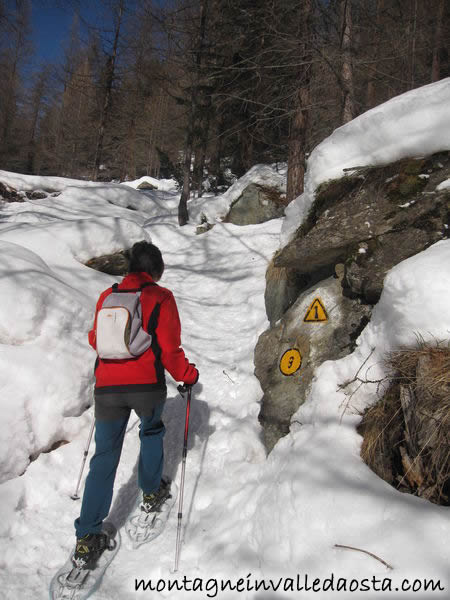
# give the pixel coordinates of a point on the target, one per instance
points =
(119, 330)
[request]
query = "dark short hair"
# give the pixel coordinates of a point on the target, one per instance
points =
(145, 257)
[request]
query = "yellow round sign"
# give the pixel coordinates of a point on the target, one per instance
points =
(290, 361)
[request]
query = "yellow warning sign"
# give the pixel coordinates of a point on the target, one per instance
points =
(316, 313)
(290, 361)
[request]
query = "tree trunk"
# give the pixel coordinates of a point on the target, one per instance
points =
(10, 85)
(297, 145)
(371, 97)
(183, 215)
(436, 66)
(413, 49)
(247, 149)
(348, 94)
(37, 96)
(299, 124)
(214, 167)
(110, 72)
(200, 154)
(74, 152)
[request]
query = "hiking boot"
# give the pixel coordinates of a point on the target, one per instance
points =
(88, 550)
(154, 501)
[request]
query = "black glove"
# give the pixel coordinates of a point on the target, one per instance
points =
(183, 389)
(187, 386)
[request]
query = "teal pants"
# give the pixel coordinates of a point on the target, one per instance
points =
(98, 490)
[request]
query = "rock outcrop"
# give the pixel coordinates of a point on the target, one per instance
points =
(9, 194)
(147, 185)
(315, 340)
(358, 228)
(257, 204)
(112, 264)
(372, 220)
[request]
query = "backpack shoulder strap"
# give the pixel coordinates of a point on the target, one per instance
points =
(116, 290)
(149, 283)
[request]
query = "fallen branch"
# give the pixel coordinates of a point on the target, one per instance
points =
(365, 552)
(225, 373)
(342, 386)
(360, 381)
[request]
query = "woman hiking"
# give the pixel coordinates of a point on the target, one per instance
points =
(133, 383)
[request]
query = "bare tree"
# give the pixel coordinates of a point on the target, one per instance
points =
(437, 45)
(197, 52)
(38, 94)
(108, 84)
(16, 52)
(348, 94)
(370, 100)
(302, 100)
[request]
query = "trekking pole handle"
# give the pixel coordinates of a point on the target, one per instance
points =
(184, 388)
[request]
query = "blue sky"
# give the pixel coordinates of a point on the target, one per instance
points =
(51, 22)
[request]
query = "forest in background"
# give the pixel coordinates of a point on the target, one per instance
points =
(202, 89)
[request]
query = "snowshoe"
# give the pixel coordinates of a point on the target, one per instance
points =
(83, 571)
(149, 517)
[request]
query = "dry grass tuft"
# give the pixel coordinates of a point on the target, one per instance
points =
(407, 432)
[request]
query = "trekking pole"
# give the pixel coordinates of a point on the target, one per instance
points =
(182, 389)
(75, 495)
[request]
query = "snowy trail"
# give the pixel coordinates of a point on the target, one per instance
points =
(243, 514)
(218, 281)
(221, 318)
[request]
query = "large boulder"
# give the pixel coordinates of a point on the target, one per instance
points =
(371, 220)
(112, 264)
(147, 185)
(359, 227)
(257, 204)
(314, 340)
(9, 194)
(283, 286)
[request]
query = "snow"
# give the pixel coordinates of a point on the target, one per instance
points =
(215, 208)
(444, 185)
(246, 516)
(165, 185)
(413, 124)
(28, 183)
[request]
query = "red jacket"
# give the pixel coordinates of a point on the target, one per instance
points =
(160, 318)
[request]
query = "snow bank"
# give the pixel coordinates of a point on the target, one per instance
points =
(327, 494)
(215, 208)
(163, 185)
(48, 302)
(416, 123)
(44, 360)
(77, 199)
(68, 243)
(28, 183)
